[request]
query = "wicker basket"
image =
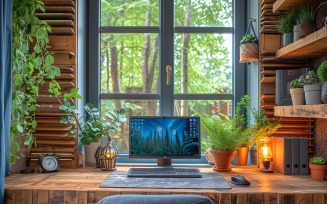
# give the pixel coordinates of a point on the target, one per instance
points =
(249, 52)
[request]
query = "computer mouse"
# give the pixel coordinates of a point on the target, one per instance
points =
(240, 180)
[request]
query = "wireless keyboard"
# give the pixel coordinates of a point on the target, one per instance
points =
(164, 172)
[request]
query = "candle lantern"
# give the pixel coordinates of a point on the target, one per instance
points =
(108, 157)
(97, 157)
(265, 153)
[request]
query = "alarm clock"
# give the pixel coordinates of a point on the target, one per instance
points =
(48, 163)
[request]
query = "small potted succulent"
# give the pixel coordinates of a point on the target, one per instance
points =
(318, 167)
(297, 92)
(322, 75)
(249, 49)
(312, 88)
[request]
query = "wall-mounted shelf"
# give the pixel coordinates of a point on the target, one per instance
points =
(310, 111)
(284, 5)
(311, 46)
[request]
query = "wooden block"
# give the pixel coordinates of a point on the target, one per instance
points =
(315, 111)
(255, 198)
(58, 2)
(61, 31)
(24, 196)
(10, 196)
(64, 58)
(60, 23)
(56, 196)
(271, 198)
(40, 196)
(70, 197)
(61, 43)
(268, 89)
(269, 42)
(82, 197)
(286, 198)
(55, 16)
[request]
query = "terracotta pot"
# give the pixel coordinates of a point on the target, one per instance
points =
(222, 160)
(318, 172)
(241, 156)
(297, 96)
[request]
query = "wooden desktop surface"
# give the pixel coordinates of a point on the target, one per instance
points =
(81, 185)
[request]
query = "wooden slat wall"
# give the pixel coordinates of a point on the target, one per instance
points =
(270, 42)
(62, 17)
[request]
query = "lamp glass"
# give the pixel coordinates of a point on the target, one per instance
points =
(265, 153)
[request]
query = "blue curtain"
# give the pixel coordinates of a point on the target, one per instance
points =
(5, 89)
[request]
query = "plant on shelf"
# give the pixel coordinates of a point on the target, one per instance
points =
(305, 23)
(312, 88)
(285, 26)
(249, 49)
(318, 167)
(322, 75)
(297, 91)
(223, 137)
(32, 64)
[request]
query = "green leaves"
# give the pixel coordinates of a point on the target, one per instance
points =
(30, 65)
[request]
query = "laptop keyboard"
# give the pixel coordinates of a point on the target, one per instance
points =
(164, 172)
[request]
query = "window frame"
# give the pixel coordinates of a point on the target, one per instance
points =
(94, 96)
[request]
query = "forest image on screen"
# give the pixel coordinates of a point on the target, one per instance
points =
(164, 137)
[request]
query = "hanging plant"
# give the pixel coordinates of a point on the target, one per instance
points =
(31, 65)
(249, 51)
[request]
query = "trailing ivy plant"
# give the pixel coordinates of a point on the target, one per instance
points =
(32, 63)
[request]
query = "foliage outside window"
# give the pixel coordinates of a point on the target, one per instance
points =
(130, 60)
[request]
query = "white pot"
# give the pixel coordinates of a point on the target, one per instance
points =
(297, 96)
(90, 151)
(312, 94)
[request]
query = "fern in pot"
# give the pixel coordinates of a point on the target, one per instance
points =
(223, 138)
(322, 75)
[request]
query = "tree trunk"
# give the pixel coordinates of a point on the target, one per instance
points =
(146, 53)
(184, 74)
(115, 80)
(107, 66)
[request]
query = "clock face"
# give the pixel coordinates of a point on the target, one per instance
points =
(49, 163)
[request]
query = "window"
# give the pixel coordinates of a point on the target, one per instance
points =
(168, 57)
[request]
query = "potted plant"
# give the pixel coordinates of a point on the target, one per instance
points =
(312, 88)
(249, 49)
(318, 167)
(305, 23)
(322, 75)
(223, 138)
(91, 126)
(297, 92)
(285, 26)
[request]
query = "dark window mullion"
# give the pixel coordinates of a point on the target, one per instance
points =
(189, 29)
(204, 96)
(136, 96)
(129, 29)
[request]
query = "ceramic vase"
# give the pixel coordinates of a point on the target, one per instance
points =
(297, 96)
(312, 94)
(287, 38)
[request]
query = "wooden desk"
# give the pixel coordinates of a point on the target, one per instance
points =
(81, 185)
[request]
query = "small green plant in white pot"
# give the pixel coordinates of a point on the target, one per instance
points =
(322, 75)
(297, 92)
(312, 88)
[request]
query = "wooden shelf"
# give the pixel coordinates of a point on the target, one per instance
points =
(284, 5)
(311, 111)
(311, 46)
